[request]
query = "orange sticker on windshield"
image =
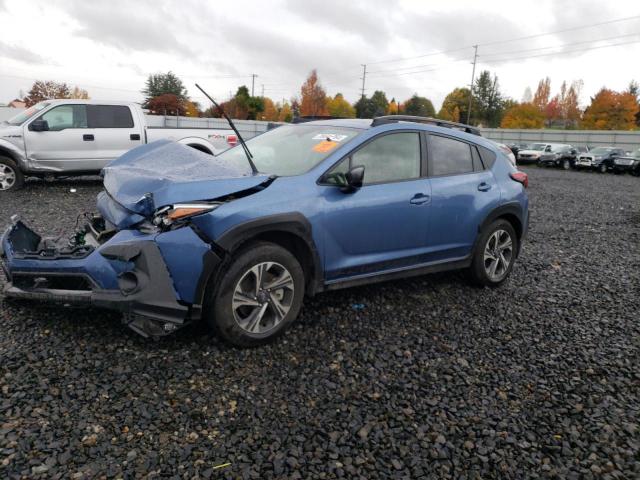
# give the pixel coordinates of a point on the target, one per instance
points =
(324, 146)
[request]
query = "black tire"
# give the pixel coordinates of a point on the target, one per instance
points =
(478, 269)
(222, 316)
(602, 168)
(9, 167)
(566, 164)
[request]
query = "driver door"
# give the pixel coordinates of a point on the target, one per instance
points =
(383, 225)
(68, 145)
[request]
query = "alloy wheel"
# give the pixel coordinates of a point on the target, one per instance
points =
(566, 165)
(498, 254)
(7, 177)
(262, 297)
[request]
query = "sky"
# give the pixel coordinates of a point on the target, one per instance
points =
(408, 46)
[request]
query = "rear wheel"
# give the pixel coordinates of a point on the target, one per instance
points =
(11, 177)
(495, 254)
(602, 168)
(566, 164)
(258, 297)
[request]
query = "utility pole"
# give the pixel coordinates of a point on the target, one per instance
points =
(253, 82)
(364, 77)
(473, 74)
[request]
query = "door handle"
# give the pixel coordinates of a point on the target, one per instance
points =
(88, 137)
(419, 199)
(484, 187)
(134, 136)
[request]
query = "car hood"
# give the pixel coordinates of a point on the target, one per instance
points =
(529, 152)
(163, 173)
(11, 134)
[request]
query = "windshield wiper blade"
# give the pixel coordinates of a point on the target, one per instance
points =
(247, 152)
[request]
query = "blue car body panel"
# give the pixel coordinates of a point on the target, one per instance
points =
(379, 228)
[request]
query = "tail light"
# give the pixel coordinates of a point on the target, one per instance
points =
(520, 177)
(232, 140)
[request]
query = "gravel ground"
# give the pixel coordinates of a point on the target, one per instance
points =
(432, 378)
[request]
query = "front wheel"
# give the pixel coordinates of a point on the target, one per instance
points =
(566, 164)
(11, 177)
(258, 297)
(495, 254)
(602, 168)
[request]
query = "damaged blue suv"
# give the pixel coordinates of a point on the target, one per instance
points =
(241, 238)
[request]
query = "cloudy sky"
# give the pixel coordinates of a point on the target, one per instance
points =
(109, 47)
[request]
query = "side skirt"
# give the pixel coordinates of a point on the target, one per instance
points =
(397, 274)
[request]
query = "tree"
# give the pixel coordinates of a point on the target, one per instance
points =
(285, 113)
(543, 92)
(167, 104)
(455, 105)
(419, 106)
(339, 107)
(527, 96)
(163, 83)
(393, 107)
(79, 93)
(552, 110)
(488, 103)
(192, 109)
(270, 112)
(313, 100)
(524, 115)
(380, 103)
(46, 90)
(610, 110)
(634, 89)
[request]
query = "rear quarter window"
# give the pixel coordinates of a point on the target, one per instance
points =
(109, 116)
(488, 156)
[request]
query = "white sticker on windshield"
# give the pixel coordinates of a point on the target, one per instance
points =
(334, 137)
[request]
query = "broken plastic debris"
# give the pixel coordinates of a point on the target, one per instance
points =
(72, 190)
(358, 306)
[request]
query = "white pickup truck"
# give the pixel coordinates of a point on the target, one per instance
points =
(60, 138)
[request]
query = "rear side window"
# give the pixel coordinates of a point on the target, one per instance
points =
(109, 116)
(449, 156)
(488, 157)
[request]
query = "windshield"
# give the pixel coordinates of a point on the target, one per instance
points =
(538, 146)
(291, 149)
(557, 148)
(27, 114)
(601, 150)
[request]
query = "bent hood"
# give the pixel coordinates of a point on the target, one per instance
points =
(163, 172)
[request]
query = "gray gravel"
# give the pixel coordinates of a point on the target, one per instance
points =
(432, 378)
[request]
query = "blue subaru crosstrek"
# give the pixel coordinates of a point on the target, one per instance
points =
(181, 235)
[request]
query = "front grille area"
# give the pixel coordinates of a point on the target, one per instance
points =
(51, 282)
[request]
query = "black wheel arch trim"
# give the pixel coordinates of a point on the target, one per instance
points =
(293, 223)
(510, 208)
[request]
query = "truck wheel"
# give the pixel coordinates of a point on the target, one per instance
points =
(258, 297)
(602, 168)
(566, 165)
(11, 177)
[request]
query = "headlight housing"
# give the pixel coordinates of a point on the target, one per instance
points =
(181, 211)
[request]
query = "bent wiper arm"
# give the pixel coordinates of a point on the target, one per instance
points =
(233, 127)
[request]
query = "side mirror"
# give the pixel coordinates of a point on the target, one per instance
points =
(548, 149)
(354, 177)
(39, 126)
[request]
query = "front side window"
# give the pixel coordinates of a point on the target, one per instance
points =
(109, 116)
(390, 158)
(66, 116)
(27, 114)
(449, 156)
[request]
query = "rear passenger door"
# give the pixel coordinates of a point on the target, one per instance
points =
(114, 131)
(463, 191)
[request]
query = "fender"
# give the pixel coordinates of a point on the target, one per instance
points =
(12, 151)
(205, 146)
(510, 208)
(293, 223)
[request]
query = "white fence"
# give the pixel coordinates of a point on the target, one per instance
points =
(629, 140)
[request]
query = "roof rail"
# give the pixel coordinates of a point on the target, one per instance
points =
(432, 121)
(312, 118)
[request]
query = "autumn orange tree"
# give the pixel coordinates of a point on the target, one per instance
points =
(339, 107)
(167, 104)
(523, 115)
(46, 90)
(313, 101)
(610, 110)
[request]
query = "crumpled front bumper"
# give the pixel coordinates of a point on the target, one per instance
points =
(142, 275)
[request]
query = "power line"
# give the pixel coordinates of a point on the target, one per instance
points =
(496, 42)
